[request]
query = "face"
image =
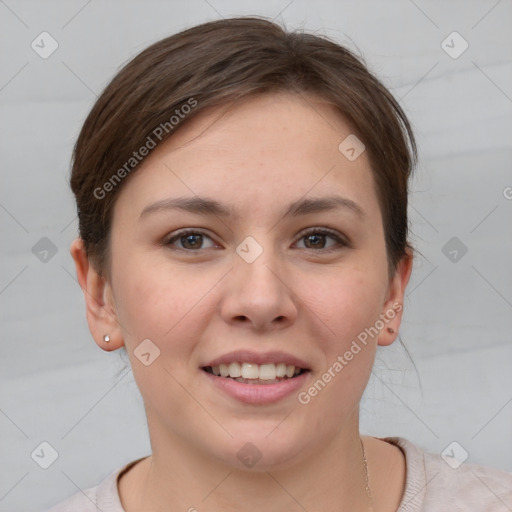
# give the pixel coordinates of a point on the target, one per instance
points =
(249, 242)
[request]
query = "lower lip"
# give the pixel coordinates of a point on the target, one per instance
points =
(258, 394)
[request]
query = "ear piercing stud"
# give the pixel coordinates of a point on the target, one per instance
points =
(106, 338)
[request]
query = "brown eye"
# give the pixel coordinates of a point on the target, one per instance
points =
(189, 240)
(315, 241)
(319, 239)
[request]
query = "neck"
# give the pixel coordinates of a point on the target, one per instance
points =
(178, 476)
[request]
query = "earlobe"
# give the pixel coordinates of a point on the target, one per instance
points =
(101, 314)
(393, 306)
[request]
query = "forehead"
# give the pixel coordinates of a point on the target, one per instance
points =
(271, 148)
(265, 125)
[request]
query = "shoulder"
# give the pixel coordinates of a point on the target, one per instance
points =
(434, 483)
(82, 501)
(104, 497)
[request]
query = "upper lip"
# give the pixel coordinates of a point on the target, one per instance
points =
(248, 356)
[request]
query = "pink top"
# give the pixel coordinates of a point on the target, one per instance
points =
(432, 485)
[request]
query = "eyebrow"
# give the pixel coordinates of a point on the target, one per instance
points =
(205, 206)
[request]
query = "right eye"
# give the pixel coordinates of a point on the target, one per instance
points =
(190, 240)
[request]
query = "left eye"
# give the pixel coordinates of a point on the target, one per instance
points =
(316, 239)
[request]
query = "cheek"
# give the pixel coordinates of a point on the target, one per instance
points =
(347, 305)
(162, 302)
(164, 306)
(346, 300)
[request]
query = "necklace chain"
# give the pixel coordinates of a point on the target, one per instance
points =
(366, 477)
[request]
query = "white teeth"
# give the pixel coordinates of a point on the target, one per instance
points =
(235, 370)
(280, 370)
(250, 371)
(268, 371)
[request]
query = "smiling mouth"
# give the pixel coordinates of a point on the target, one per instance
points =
(250, 373)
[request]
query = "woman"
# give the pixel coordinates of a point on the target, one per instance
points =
(242, 200)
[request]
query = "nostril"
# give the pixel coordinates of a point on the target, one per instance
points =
(241, 317)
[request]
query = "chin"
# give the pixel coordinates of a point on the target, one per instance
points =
(264, 449)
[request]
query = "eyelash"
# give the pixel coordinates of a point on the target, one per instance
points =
(340, 241)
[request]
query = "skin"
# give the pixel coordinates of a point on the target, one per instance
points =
(196, 304)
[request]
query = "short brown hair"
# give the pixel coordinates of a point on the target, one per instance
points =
(214, 64)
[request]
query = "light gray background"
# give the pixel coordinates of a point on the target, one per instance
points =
(57, 386)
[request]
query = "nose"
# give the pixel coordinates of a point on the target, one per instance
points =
(259, 295)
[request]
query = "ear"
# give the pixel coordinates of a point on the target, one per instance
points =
(394, 303)
(99, 301)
